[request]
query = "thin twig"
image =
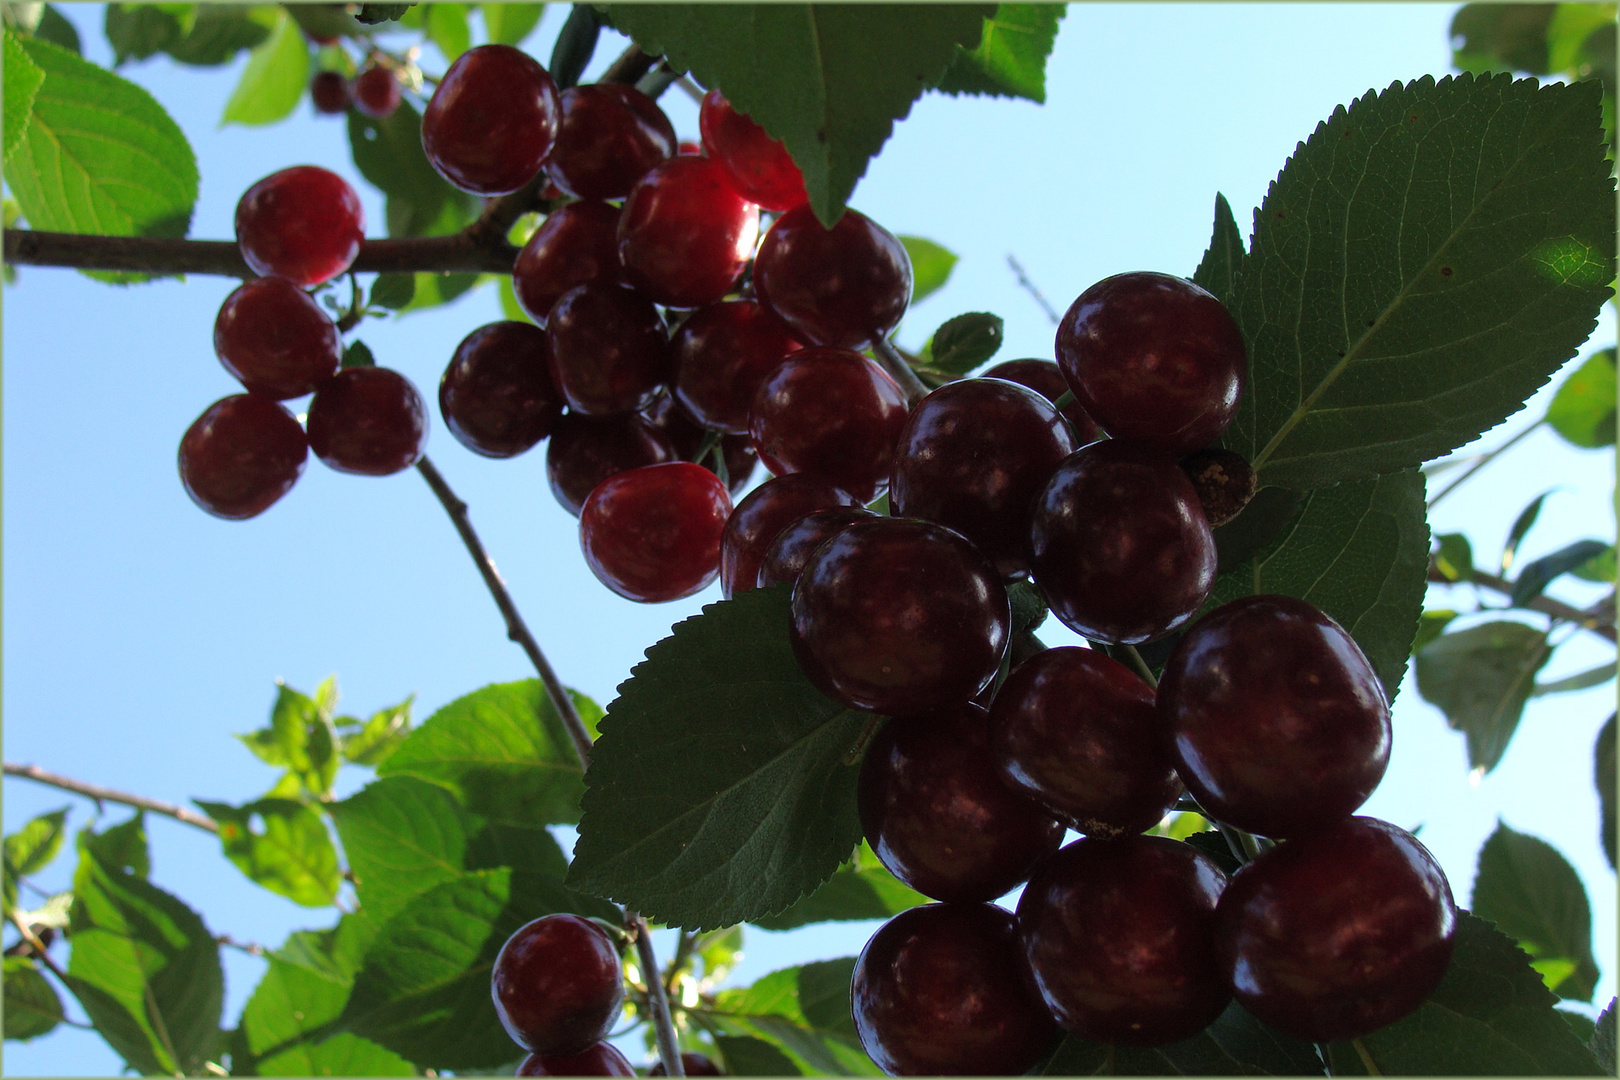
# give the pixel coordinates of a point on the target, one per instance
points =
(669, 1051)
(1029, 287)
(37, 945)
(631, 65)
(1600, 622)
(1483, 460)
(106, 794)
(898, 369)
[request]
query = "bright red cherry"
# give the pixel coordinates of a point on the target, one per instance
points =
(367, 420)
(241, 455)
(608, 137)
(791, 549)
(585, 450)
(1046, 379)
(842, 286)
(497, 397)
(557, 985)
(304, 224)
(759, 166)
(577, 244)
(329, 92)
(599, 1059)
(653, 534)
(276, 339)
(1333, 935)
(763, 514)
(1155, 359)
(1276, 721)
(376, 92)
(685, 235)
(721, 355)
(609, 349)
(491, 120)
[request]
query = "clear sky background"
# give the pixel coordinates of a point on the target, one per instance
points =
(141, 633)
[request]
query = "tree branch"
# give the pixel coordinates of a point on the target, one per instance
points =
(669, 1050)
(1600, 623)
(104, 794)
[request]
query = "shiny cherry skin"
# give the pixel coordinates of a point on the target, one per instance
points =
(275, 338)
(1155, 359)
(688, 436)
(557, 984)
(1077, 732)
(584, 450)
(685, 235)
(973, 456)
(831, 413)
(1276, 721)
(609, 349)
(496, 396)
(1120, 935)
(899, 616)
(692, 1063)
(329, 92)
(376, 92)
(842, 286)
(938, 814)
(761, 516)
(241, 455)
(608, 137)
(759, 166)
(491, 120)
(1120, 545)
(942, 990)
(721, 354)
(577, 244)
(1336, 934)
(303, 224)
(791, 549)
(1046, 379)
(653, 534)
(367, 420)
(599, 1059)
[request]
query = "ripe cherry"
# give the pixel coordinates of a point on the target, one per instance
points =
(276, 339)
(491, 120)
(692, 1063)
(721, 354)
(557, 984)
(367, 420)
(791, 549)
(577, 244)
(609, 349)
(688, 436)
(599, 1059)
(759, 166)
(241, 455)
(608, 137)
(329, 92)
(1046, 379)
(497, 397)
(303, 224)
(376, 92)
(685, 235)
(763, 514)
(586, 450)
(653, 534)
(842, 286)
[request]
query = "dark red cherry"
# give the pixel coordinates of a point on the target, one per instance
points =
(653, 534)
(1120, 935)
(721, 355)
(1076, 731)
(601, 1059)
(760, 167)
(329, 92)
(577, 244)
(585, 450)
(1333, 935)
(1046, 379)
(687, 436)
(241, 455)
(842, 286)
(899, 616)
(831, 413)
(491, 120)
(608, 137)
(685, 235)
(367, 420)
(276, 339)
(973, 456)
(791, 549)
(757, 520)
(557, 984)
(692, 1063)
(303, 224)
(1121, 548)
(1155, 359)
(1276, 721)
(497, 397)
(376, 92)
(609, 349)
(942, 990)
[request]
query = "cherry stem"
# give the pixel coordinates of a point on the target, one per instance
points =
(1064, 400)
(357, 307)
(1599, 622)
(669, 1050)
(105, 794)
(1140, 665)
(898, 369)
(1367, 1061)
(1029, 287)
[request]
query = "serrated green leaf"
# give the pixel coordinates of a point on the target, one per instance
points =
(827, 80)
(32, 1007)
(306, 983)
(373, 14)
(1480, 678)
(1532, 894)
(292, 855)
(1539, 573)
(392, 291)
(23, 79)
(963, 343)
(863, 889)
(1602, 1041)
(31, 848)
(1424, 262)
(300, 739)
(1583, 410)
(342, 1054)
(744, 1055)
(220, 31)
(720, 790)
(1236, 1044)
(54, 28)
(1454, 556)
(447, 28)
(1603, 775)
(122, 847)
(804, 1012)
(1218, 270)
(508, 24)
(274, 80)
(931, 265)
(373, 741)
(1521, 528)
(402, 836)
(1010, 60)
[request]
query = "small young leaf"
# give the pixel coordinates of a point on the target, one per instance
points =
(1236, 1044)
(931, 265)
(1223, 259)
(863, 889)
(509, 24)
(293, 856)
(1010, 60)
(1454, 557)
(392, 291)
(274, 80)
(575, 45)
(357, 354)
(1532, 894)
(1603, 775)
(32, 1007)
(963, 343)
(447, 28)
(1521, 526)
(1583, 410)
(1538, 574)
(31, 848)
(23, 79)
(1480, 678)
(373, 741)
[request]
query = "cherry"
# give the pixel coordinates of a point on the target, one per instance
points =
(491, 120)
(303, 224)
(1046, 379)
(692, 1063)
(791, 549)
(844, 286)
(685, 235)
(1120, 545)
(1154, 358)
(1275, 720)
(942, 990)
(653, 534)
(557, 984)
(608, 137)
(1120, 935)
(586, 450)
(721, 355)
(899, 616)
(1076, 731)
(276, 339)
(609, 349)
(973, 456)
(376, 92)
(600, 1059)
(329, 92)
(241, 455)
(497, 397)
(687, 436)
(577, 244)
(831, 413)
(759, 166)
(757, 520)
(367, 420)
(1333, 935)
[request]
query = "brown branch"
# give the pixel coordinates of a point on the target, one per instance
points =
(1600, 623)
(104, 794)
(631, 65)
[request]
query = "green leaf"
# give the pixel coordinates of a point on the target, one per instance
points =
(1582, 680)
(1532, 894)
(1603, 775)
(1521, 526)
(827, 80)
(341, 1055)
(1454, 556)
(1424, 262)
(23, 79)
(54, 28)
(721, 789)
(300, 739)
(274, 80)
(802, 1011)
(31, 848)
(508, 24)
(1583, 410)
(931, 265)
(510, 308)
(1480, 678)
(744, 1055)
(392, 291)
(326, 20)
(373, 14)
(575, 45)
(402, 836)
(388, 153)
(963, 343)
(122, 847)
(1430, 626)
(1010, 60)
(137, 31)
(1501, 37)
(220, 31)
(32, 1006)
(1236, 1044)
(373, 741)
(1599, 568)
(447, 28)
(1223, 259)
(305, 986)
(1602, 1042)
(292, 856)
(863, 889)
(1539, 573)
(357, 354)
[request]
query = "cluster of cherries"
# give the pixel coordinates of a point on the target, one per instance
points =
(374, 91)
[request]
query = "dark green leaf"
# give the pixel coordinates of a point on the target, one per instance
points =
(291, 855)
(122, 847)
(1602, 1044)
(1213, 844)
(1236, 1044)
(802, 1011)
(963, 343)
(864, 889)
(220, 31)
(402, 837)
(1532, 893)
(931, 265)
(1010, 60)
(1581, 680)
(137, 31)
(357, 354)
(824, 997)
(1454, 557)
(372, 14)
(372, 742)
(32, 1006)
(1603, 775)
(1501, 37)
(1599, 568)
(828, 80)
(23, 79)
(1537, 575)
(54, 28)
(392, 291)
(447, 28)
(274, 80)
(721, 790)
(388, 153)
(31, 848)
(508, 24)
(1223, 259)
(1583, 1026)
(1421, 265)
(1583, 410)
(1432, 625)
(436, 290)
(1480, 678)
(575, 45)
(1521, 526)
(744, 1055)
(1272, 510)
(326, 20)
